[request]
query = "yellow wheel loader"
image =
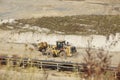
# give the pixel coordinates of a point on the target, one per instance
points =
(61, 49)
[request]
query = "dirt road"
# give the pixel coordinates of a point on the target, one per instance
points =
(39, 8)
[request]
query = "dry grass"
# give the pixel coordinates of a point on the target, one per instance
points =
(118, 72)
(20, 74)
(96, 69)
(91, 24)
(81, 24)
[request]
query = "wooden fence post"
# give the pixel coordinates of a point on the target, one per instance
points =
(58, 67)
(41, 66)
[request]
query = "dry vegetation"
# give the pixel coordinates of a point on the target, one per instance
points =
(22, 74)
(97, 64)
(85, 25)
(118, 72)
(94, 24)
(96, 70)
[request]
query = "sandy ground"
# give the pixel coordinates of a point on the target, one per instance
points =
(25, 51)
(39, 8)
(35, 74)
(28, 50)
(31, 74)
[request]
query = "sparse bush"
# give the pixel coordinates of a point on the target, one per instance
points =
(97, 62)
(118, 72)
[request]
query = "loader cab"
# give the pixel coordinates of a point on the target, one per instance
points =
(60, 44)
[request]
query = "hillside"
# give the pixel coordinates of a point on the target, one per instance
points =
(80, 25)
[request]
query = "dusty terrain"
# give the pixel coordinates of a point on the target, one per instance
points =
(29, 51)
(35, 74)
(17, 38)
(39, 8)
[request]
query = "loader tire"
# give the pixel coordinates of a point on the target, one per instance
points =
(49, 54)
(63, 55)
(43, 51)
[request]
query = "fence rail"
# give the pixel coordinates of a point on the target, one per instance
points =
(27, 62)
(46, 64)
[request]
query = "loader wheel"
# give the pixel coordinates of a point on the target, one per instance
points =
(63, 55)
(43, 50)
(49, 54)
